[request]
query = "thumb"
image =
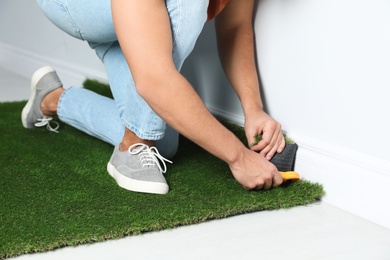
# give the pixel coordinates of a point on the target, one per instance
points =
(255, 142)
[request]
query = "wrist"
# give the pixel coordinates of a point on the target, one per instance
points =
(252, 109)
(234, 158)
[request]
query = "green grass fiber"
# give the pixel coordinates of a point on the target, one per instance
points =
(55, 190)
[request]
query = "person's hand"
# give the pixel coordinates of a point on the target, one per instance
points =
(254, 172)
(272, 139)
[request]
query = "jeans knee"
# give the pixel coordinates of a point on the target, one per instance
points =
(187, 21)
(58, 13)
(194, 13)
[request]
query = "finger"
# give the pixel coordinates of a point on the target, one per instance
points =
(249, 185)
(258, 147)
(265, 182)
(268, 135)
(255, 140)
(253, 143)
(282, 144)
(257, 187)
(268, 184)
(279, 146)
(271, 132)
(246, 188)
(268, 150)
(277, 179)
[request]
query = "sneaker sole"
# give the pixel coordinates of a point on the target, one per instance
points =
(34, 81)
(136, 185)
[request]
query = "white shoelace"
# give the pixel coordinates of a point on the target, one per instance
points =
(45, 121)
(149, 156)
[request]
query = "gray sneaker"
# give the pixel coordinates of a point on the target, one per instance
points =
(139, 169)
(43, 81)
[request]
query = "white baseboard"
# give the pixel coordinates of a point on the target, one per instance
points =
(355, 182)
(228, 116)
(24, 63)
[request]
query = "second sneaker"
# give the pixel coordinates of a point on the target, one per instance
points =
(139, 169)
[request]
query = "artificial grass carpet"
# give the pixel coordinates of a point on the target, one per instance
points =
(55, 190)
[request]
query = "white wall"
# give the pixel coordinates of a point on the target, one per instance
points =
(324, 72)
(28, 40)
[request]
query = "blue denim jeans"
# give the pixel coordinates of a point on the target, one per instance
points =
(104, 118)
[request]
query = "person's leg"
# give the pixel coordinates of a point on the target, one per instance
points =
(140, 168)
(81, 108)
(114, 58)
(140, 119)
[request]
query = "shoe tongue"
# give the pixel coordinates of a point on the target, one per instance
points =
(138, 149)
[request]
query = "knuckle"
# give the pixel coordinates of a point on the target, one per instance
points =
(266, 142)
(264, 152)
(257, 185)
(274, 126)
(251, 186)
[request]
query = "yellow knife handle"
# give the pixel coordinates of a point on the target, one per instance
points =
(290, 176)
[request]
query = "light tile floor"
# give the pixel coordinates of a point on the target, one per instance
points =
(316, 231)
